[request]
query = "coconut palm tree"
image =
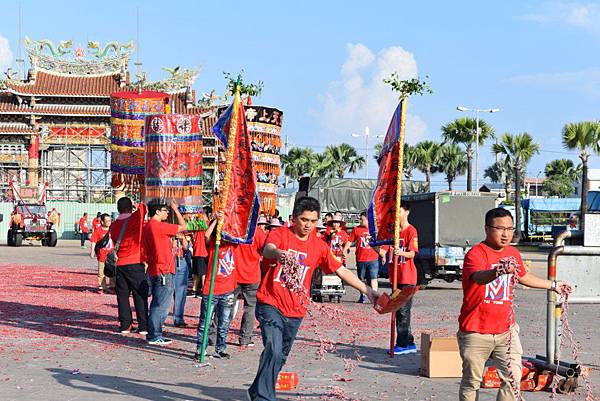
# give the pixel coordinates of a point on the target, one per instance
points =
(341, 159)
(517, 150)
(297, 162)
(464, 131)
(452, 161)
(563, 167)
(584, 137)
(501, 172)
(319, 166)
(427, 155)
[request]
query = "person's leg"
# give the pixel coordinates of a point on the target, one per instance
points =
(247, 325)
(373, 274)
(223, 317)
(475, 349)
(162, 297)
(82, 239)
(271, 328)
(202, 321)
(404, 337)
(101, 283)
(122, 290)
(508, 363)
(181, 284)
(289, 335)
(140, 289)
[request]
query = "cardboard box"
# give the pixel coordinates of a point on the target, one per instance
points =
(440, 356)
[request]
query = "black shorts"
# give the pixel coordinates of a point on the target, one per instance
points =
(199, 264)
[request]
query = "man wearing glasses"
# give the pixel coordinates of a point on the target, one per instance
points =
(487, 326)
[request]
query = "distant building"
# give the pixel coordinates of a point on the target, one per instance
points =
(495, 188)
(593, 180)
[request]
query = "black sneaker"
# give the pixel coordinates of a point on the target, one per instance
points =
(196, 357)
(221, 355)
(191, 294)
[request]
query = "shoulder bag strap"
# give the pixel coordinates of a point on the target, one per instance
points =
(121, 235)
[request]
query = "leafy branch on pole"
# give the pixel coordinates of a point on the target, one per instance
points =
(252, 89)
(408, 87)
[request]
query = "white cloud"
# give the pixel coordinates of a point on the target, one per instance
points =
(6, 56)
(580, 15)
(359, 97)
(585, 81)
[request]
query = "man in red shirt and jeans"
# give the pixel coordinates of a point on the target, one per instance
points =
(131, 272)
(367, 260)
(248, 258)
(406, 276)
(279, 308)
(487, 326)
(157, 240)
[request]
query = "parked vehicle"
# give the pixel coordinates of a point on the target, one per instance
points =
(29, 221)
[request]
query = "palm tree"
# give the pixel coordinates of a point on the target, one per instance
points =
(464, 131)
(452, 162)
(501, 172)
(297, 162)
(582, 136)
(319, 166)
(427, 155)
(563, 167)
(517, 150)
(343, 158)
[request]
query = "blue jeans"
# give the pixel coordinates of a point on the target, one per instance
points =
(221, 312)
(367, 270)
(278, 335)
(181, 285)
(162, 297)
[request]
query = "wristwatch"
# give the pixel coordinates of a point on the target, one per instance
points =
(553, 286)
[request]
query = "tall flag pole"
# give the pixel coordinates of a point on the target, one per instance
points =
(404, 101)
(384, 209)
(231, 140)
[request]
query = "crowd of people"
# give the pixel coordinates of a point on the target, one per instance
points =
(164, 261)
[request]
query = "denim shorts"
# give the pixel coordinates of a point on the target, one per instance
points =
(367, 270)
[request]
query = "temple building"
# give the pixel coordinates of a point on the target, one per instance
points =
(55, 121)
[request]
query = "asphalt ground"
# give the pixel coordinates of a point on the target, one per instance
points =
(58, 341)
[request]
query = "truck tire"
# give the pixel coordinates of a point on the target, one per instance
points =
(52, 239)
(10, 238)
(18, 239)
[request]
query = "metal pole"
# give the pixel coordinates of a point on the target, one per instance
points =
(285, 182)
(477, 151)
(367, 150)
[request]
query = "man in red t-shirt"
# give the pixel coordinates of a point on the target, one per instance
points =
(84, 229)
(225, 283)
(104, 283)
(157, 240)
(367, 260)
(131, 271)
(248, 258)
(406, 275)
(487, 326)
(199, 260)
(280, 309)
(337, 237)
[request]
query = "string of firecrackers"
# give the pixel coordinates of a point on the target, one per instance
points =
(510, 265)
(566, 332)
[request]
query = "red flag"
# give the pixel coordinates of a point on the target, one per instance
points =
(382, 209)
(243, 205)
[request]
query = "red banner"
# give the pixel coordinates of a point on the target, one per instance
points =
(242, 208)
(382, 209)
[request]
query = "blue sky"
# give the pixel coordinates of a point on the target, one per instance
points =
(322, 62)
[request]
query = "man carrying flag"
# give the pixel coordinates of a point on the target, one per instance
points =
(388, 225)
(238, 213)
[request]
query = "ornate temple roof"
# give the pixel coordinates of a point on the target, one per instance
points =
(49, 84)
(9, 107)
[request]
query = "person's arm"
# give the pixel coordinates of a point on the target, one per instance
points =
(533, 281)
(180, 220)
(347, 246)
(483, 276)
(272, 252)
(209, 231)
(93, 250)
(352, 280)
(406, 255)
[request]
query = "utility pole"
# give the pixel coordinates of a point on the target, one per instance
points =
(367, 135)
